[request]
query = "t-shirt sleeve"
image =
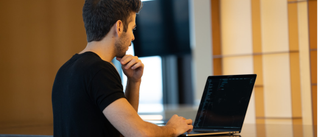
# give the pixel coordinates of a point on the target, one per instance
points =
(106, 87)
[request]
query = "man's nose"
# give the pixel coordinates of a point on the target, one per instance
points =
(133, 38)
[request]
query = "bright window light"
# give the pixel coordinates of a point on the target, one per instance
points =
(151, 85)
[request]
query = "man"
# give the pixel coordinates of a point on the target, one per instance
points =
(87, 95)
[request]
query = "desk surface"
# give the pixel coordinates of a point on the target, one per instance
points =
(277, 130)
(248, 130)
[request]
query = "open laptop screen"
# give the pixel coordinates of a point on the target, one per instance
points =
(224, 102)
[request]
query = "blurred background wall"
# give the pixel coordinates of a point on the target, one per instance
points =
(37, 37)
(277, 39)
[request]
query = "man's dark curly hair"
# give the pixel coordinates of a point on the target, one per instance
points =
(100, 15)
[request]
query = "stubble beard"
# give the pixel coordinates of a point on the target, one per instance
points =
(119, 48)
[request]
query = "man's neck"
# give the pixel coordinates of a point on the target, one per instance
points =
(104, 49)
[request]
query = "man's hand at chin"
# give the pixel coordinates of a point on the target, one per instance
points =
(132, 67)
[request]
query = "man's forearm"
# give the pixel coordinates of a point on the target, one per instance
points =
(154, 130)
(132, 93)
(134, 126)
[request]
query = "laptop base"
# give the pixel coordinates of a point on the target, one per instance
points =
(194, 133)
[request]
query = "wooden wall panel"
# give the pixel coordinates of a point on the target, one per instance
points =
(304, 61)
(312, 7)
(274, 25)
(256, 26)
(236, 43)
(216, 38)
(276, 69)
(276, 78)
(294, 62)
(37, 38)
(259, 90)
(236, 34)
(257, 62)
(280, 49)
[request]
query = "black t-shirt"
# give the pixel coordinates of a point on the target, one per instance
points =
(84, 86)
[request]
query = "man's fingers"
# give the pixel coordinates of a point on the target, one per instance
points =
(129, 64)
(124, 60)
(190, 127)
(189, 121)
(133, 63)
(130, 61)
(137, 65)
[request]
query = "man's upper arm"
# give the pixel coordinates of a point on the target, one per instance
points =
(124, 118)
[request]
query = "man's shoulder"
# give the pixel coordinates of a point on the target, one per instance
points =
(87, 61)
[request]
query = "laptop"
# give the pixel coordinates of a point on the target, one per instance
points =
(223, 105)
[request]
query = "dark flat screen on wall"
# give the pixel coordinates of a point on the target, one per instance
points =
(162, 28)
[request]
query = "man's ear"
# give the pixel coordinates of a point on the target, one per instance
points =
(119, 27)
